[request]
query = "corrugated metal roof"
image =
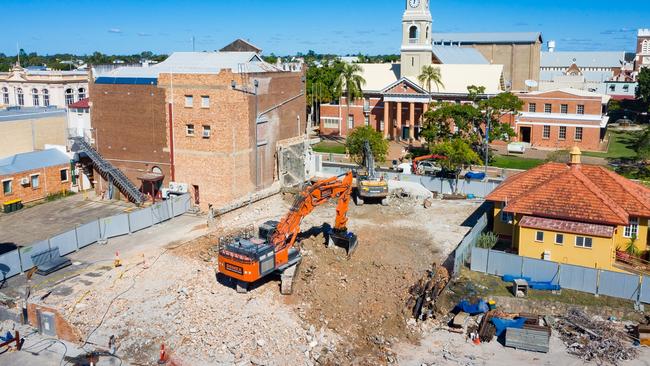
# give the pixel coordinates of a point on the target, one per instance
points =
(478, 38)
(458, 55)
(582, 59)
(32, 160)
(29, 113)
(198, 63)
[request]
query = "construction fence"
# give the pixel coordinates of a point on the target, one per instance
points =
(464, 250)
(584, 279)
(20, 260)
(434, 184)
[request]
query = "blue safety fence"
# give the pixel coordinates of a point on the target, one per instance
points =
(20, 260)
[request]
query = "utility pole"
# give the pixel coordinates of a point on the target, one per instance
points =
(487, 138)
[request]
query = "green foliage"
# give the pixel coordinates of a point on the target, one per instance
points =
(329, 147)
(458, 154)
(350, 81)
(487, 240)
(431, 75)
(630, 248)
(356, 139)
(321, 81)
(643, 90)
(55, 61)
(439, 118)
(614, 105)
(515, 162)
(59, 195)
(641, 144)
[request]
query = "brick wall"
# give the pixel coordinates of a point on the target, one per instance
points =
(64, 330)
(49, 182)
(593, 105)
(590, 137)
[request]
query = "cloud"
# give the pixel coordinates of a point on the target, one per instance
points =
(143, 34)
(115, 30)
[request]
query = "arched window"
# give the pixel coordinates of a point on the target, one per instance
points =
(20, 97)
(645, 47)
(46, 98)
(35, 98)
(69, 96)
(413, 32)
(5, 96)
(82, 93)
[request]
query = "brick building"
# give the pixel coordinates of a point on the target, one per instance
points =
(561, 119)
(193, 119)
(642, 49)
(34, 175)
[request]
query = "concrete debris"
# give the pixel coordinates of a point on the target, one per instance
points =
(422, 302)
(594, 339)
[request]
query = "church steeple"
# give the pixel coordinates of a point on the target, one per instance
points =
(416, 37)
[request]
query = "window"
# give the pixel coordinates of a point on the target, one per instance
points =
(413, 32)
(581, 109)
(82, 93)
(367, 120)
(63, 174)
(189, 101)
(205, 101)
(46, 98)
(381, 126)
(632, 230)
(507, 217)
(5, 96)
(612, 88)
(546, 133)
(583, 242)
(578, 136)
(559, 239)
(189, 129)
(539, 236)
(34, 181)
(547, 108)
(562, 135)
(330, 122)
(645, 46)
(35, 99)
(564, 108)
(350, 122)
(532, 107)
(19, 94)
(69, 96)
(626, 88)
(6, 187)
(206, 131)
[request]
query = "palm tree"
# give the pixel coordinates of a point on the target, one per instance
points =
(351, 80)
(430, 75)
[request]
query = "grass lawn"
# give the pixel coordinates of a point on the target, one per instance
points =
(515, 162)
(619, 146)
(329, 147)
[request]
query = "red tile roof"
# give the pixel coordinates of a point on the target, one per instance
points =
(564, 226)
(585, 193)
(81, 103)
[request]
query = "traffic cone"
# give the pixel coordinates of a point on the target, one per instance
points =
(117, 262)
(163, 355)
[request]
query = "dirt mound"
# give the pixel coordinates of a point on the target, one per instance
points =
(362, 298)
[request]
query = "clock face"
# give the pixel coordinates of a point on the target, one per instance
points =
(414, 3)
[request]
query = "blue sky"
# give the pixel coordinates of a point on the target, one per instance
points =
(290, 26)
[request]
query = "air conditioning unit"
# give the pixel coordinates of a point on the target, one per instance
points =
(182, 188)
(165, 193)
(173, 186)
(24, 181)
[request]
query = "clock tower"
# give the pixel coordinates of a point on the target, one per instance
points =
(416, 48)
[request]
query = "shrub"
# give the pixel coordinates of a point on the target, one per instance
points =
(487, 240)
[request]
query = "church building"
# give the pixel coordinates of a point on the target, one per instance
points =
(394, 101)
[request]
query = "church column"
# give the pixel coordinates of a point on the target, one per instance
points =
(387, 121)
(411, 121)
(397, 132)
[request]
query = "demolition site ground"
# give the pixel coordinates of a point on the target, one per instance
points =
(343, 310)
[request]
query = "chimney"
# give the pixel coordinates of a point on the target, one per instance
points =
(551, 46)
(575, 156)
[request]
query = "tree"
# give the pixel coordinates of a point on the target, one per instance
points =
(429, 75)
(458, 154)
(487, 240)
(439, 119)
(357, 138)
(351, 81)
(643, 90)
(641, 145)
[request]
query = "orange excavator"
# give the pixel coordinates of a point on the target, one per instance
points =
(247, 260)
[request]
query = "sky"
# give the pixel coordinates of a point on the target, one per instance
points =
(289, 26)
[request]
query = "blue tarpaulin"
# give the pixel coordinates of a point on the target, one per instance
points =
(503, 324)
(536, 285)
(510, 278)
(473, 309)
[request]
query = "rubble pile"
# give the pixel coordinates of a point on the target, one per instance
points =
(594, 339)
(422, 302)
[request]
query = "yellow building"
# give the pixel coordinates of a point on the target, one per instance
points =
(572, 213)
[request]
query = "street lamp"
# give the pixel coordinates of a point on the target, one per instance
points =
(247, 90)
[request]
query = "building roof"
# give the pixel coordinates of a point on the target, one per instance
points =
(487, 38)
(584, 193)
(577, 92)
(458, 55)
(24, 113)
(81, 103)
(197, 63)
(240, 45)
(564, 226)
(455, 78)
(582, 59)
(32, 160)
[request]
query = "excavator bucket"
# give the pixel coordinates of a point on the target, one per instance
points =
(345, 240)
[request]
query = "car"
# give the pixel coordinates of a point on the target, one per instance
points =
(428, 168)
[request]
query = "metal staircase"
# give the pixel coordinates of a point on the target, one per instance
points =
(109, 172)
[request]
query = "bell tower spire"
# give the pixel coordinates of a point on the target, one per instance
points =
(416, 47)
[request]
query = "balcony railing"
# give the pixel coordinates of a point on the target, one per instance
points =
(413, 40)
(631, 263)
